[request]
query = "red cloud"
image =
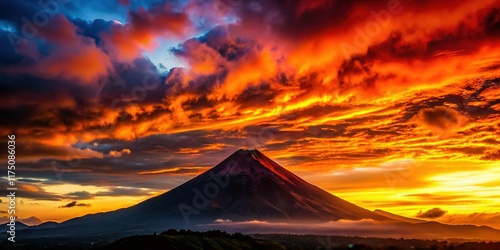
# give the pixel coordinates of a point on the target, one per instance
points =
(84, 62)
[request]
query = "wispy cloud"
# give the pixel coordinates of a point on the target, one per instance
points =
(431, 213)
(74, 204)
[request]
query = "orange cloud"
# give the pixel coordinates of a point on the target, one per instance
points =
(250, 70)
(114, 153)
(201, 58)
(87, 64)
(125, 42)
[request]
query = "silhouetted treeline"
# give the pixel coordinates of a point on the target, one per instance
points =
(186, 239)
(213, 233)
(310, 242)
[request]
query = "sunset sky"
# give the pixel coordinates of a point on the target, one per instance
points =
(391, 105)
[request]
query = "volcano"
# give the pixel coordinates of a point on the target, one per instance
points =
(245, 186)
(250, 186)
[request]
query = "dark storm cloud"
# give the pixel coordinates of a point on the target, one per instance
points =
(127, 166)
(67, 175)
(262, 95)
(295, 19)
(34, 151)
(431, 213)
(8, 55)
(93, 28)
(42, 92)
(441, 119)
(122, 192)
(14, 12)
(223, 40)
(198, 104)
(464, 36)
(136, 82)
(74, 204)
(465, 103)
(161, 144)
(491, 22)
(79, 195)
(117, 191)
(166, 146)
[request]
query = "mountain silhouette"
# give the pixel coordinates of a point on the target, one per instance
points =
(246, 186)
(249, 186)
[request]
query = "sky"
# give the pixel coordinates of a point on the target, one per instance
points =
(391, 105)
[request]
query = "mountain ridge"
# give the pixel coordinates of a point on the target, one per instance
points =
(246, 186)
